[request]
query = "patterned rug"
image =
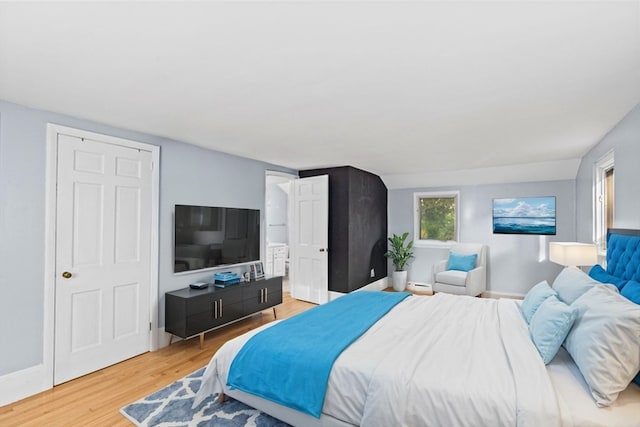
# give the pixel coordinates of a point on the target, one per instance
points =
(171, 406)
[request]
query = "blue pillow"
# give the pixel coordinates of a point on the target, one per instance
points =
(534, 298)
(462, 262)
(550, 325)
(637, 379)
(598, 273)
(631, 291)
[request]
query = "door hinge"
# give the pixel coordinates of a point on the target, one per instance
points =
(150, 327)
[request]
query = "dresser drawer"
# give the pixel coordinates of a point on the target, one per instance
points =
(205, 302)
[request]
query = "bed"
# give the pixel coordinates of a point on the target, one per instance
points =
(424, 364)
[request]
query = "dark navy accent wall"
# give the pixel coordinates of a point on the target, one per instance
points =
(357, 227)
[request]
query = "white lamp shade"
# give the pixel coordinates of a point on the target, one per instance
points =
(573, 254)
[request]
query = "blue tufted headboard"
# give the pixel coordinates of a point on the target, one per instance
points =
(623, 261)
(623, 253)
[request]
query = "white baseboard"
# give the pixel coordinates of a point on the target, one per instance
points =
(164, 337)
(335, 295)
(27, 382)
(492, 294)
(378, 285)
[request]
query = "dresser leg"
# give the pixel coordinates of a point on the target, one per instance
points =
(170, 338)
(274, 313)
(201, 341)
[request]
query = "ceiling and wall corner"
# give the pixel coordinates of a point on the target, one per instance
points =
(624, 142)
(515, 275)
(421, 92)
(188, 175)
(515, 262)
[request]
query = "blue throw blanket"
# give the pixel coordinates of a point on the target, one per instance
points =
(289, 363)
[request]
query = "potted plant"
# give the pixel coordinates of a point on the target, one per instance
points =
(400, 254)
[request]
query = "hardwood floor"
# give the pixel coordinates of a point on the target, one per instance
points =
(95, 399)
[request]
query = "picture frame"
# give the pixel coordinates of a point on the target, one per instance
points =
(257, 270)
(525, 215)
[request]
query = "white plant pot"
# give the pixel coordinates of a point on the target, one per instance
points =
(399, 280)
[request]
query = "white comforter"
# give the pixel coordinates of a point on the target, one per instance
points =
(432, 361)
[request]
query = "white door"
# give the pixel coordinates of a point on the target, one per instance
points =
(103, 226)
(308, 274)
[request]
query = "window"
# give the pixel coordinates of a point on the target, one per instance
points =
(436, 218)
(603, 200)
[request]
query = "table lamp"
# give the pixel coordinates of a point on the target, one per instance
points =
(573, 254)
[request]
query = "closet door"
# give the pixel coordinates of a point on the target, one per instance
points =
(103, 255)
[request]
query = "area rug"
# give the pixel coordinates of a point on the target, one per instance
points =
(171, 406)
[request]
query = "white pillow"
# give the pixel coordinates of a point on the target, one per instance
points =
(605, 342)
(571, 283)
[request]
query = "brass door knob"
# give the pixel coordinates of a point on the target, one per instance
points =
(66, 275)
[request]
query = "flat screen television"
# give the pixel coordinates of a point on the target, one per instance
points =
(207, 237)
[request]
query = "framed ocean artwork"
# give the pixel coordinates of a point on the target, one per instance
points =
(525, 215)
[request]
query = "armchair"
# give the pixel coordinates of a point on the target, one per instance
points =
(472, 282)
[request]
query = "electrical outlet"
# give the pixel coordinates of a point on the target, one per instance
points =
(373, 273)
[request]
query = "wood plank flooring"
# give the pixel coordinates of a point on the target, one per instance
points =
(95, 399)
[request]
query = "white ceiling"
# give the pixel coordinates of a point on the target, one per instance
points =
(421, 93)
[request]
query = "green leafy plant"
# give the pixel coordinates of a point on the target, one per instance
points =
(400, 253)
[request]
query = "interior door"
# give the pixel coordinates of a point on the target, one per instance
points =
(308, 274)
(103, 226)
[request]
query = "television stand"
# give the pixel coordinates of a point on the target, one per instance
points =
(190, 312)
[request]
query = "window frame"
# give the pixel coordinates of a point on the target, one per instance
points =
(432, 243)
(601, 167)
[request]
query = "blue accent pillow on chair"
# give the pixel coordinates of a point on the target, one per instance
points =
(599, 273)
(462, 262)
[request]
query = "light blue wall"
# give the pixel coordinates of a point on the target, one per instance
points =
(22, 171)
(192, 175)
(188, 175)
(515, 262)
(624, 140)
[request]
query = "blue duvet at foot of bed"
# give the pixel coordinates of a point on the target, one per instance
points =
(289, 363)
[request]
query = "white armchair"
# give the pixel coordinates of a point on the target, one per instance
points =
(472, 282)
